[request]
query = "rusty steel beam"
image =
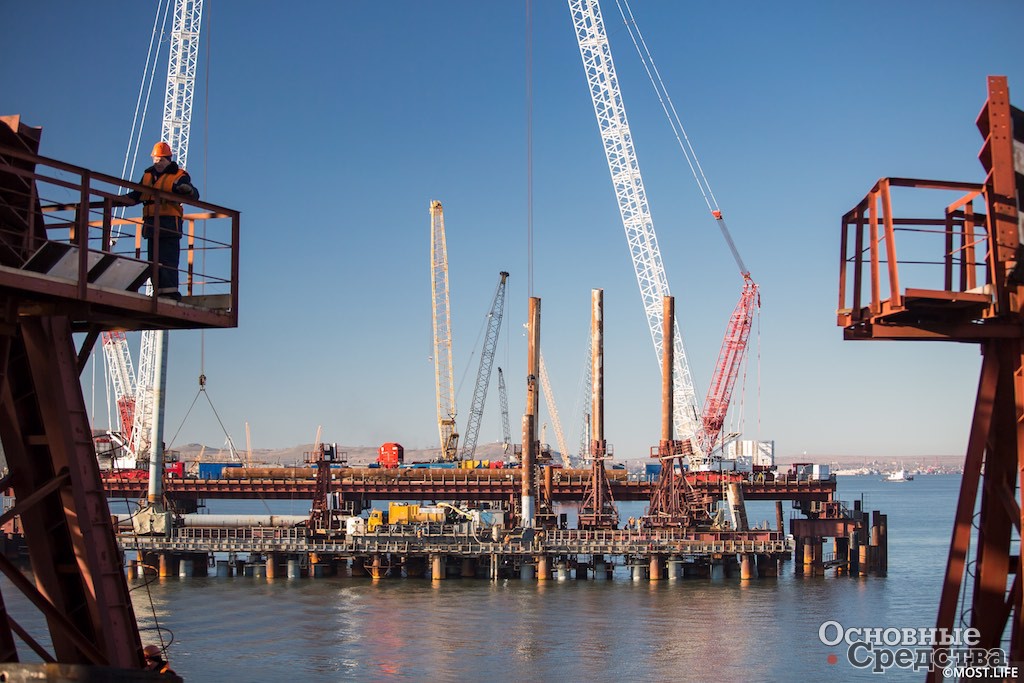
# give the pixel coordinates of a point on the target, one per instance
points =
(992, 316)
(453, 489)
(48, 291)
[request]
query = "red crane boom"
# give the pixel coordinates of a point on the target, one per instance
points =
(734, 349)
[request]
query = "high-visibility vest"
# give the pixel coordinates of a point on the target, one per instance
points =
(165, 182)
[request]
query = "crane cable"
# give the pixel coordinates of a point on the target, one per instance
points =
(683, 140)
(677, 128)
(135, 137)
(146, 84)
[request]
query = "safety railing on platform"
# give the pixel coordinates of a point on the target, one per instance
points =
(85, 209)
(462, 539)
(947, 253)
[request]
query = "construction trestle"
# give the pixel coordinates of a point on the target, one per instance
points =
(451, 551)
(417, 550)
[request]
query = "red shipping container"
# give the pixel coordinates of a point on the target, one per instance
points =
(390, 455)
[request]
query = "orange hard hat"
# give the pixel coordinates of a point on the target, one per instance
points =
(151, 651)
(161, 149)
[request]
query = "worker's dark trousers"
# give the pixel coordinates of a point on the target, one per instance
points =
(170, 253)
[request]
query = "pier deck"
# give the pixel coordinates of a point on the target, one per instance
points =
(449, 541)
(455, 485)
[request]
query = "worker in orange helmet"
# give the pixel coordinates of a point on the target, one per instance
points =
(162, 219)
(155, 660)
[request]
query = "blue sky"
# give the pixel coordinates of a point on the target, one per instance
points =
(332, 125)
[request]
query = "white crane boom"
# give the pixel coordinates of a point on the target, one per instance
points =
(632, 199)
(506, 431)
(585, 394)
(549, 400)
(483, 375)
(122, 377)
(182, 59)
(444, 377)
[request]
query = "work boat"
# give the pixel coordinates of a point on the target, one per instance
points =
(899, 475)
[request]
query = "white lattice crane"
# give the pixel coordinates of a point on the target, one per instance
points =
(506, 430)
(122, 379)
(549, 401)
(650, 272)
(632, 199)
(444, 377)
(483, 375)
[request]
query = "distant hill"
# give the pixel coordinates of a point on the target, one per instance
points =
(357, 455)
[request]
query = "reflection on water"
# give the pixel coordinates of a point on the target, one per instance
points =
(473, 630)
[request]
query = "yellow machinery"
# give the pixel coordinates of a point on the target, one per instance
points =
(404, 513)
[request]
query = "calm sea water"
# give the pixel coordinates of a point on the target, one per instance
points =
(344, 628)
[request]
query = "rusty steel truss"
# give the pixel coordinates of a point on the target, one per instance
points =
(972, 253)
(60, 273)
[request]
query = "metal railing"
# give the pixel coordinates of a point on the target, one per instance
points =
(82, 208)
(462, 539)
(952, 251)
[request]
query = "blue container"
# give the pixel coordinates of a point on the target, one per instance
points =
(652, 470)
(215, 470)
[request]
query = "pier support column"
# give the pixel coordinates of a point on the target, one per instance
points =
(133, 569)
(526, 571)
(185, 568)
(543, 568)
(599, 568)
(748, 570)
(875, 553)
(655, 568)
(437, 567)
(883, 545)
(315, 566)
(258, 567)
(164, 563)
(808, 557)
(495, 567)
(377, 568)
(675, 568)
(271, 565)
(812, 548)
(798, 556)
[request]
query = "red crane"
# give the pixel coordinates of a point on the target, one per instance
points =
(730, 358)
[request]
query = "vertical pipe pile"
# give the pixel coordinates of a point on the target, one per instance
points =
(597, 369)
(667, 358)
(156, 443)
(530, 418)
(668, 507)
(597, 510)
